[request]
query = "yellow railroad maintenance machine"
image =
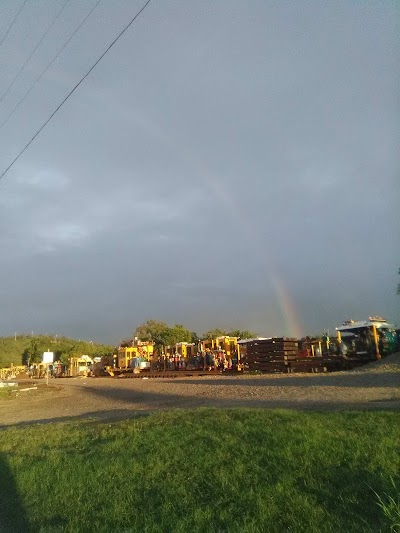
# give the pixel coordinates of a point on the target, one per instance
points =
(228, 345)
(133, 358)
(11, 372)
(79, 366)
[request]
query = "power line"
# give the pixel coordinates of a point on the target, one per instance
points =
(49, 65)
(34, 50)
(12, 23)
(76, 86)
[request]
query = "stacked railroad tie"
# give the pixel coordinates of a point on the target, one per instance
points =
(272, 355)
(281, 355)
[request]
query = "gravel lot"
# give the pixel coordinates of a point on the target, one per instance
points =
(375, 386)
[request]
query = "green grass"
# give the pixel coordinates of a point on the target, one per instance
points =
(6, 393)
(203, 471)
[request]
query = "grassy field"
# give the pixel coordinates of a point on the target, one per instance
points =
(203, 471)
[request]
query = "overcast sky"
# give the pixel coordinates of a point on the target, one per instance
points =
(227, 164)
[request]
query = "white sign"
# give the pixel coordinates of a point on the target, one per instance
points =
(47, 357)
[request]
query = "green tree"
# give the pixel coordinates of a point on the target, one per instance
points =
(154, 331)
(161, 334)
(194, 337)
(242, 333)
(212, 333)
(398, 285)
(151, 330)
(177, 333)
(125, 343)
(63, 348)
(102, 350)
(32, 353)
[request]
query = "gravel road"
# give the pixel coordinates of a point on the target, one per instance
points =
(375, 386)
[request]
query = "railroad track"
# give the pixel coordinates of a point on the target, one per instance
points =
(173, 374)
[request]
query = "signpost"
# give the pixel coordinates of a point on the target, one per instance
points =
(47, 359)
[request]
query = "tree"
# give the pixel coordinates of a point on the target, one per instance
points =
(177, 333)
(103, 350)
(195, 338)
(161, 334)
(152, 330)
(398, 285)
(32, 353)
(214, 333)
(63, 348)
(125, 343)
(243, 334)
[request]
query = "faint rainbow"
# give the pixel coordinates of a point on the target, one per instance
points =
(287, 306)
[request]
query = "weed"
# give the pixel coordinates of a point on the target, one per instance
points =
(390, 505)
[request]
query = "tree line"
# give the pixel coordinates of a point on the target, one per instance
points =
(162, 334)
(27, 349)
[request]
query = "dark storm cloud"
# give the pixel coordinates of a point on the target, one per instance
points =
(226, 164)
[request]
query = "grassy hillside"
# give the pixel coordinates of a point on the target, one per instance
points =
(23, 348)
(243, 471)
(11, 350)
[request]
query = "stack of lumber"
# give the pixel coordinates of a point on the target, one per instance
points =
(271, 355)
(282, 355)
(315, 364)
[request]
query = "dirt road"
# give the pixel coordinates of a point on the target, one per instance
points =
(376, 386)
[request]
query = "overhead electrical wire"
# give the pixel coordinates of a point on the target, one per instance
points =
(34, 50)
(48, 66)
(13, 22)
(75, 87)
